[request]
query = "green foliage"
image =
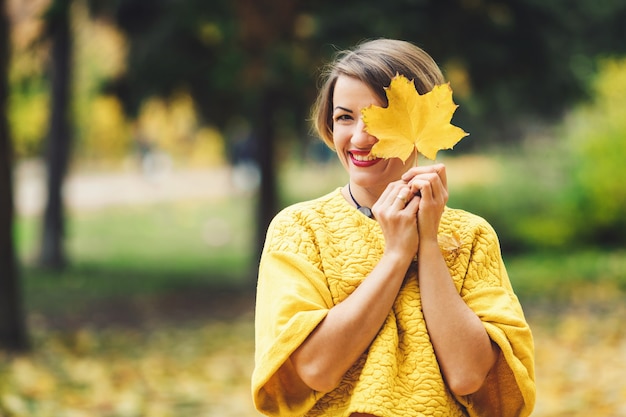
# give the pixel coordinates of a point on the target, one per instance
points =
(566, 192)
(595, 135)
(524, 202)
(582, 276)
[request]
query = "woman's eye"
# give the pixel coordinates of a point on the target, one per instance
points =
(343, 117)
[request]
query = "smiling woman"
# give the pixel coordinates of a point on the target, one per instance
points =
(407, 311)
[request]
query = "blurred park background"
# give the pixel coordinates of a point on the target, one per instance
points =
(145, 144)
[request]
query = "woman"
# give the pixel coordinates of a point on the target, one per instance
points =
(360, 310)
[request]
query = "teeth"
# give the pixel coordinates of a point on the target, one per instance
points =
(364, 158)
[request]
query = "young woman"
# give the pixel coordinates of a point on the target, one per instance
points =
(361, 311)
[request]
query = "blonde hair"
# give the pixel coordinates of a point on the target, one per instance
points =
(374, 63)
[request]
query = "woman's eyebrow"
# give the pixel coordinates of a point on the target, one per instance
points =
(342, 108)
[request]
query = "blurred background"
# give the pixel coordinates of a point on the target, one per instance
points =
(146, 144)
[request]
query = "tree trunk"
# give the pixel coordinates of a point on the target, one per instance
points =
(265, 137)
(52, 253)
(12, 324)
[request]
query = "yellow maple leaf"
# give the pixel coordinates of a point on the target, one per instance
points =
(450, 244)
(412, 121)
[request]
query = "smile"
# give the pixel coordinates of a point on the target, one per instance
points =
(363, 159)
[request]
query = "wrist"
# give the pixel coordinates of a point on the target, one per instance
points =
(398, 259)
(428, 247)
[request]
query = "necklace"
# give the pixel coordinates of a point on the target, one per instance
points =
(365, 210)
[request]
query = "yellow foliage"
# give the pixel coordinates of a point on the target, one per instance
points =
(610, 87)
(31, 380)
(208, 148)
(579, 363)
(100, 48)
(459, 78)
(173, 126)
(106, 131)
(172, 371)
(168, 124)
(413, 121)
(210, 34)
(204, 370)
(100, 129)
(28, 119)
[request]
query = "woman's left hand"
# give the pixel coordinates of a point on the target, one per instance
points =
(430, 183)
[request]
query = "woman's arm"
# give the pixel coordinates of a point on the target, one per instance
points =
(463, 348)
(350, 326)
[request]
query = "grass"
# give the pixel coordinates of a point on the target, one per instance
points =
(167, 236)
(127, 252)
(584, 276)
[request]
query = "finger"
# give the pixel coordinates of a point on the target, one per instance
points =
(388, 197)
(404, 195)
(400, 201)
(411, 173)
(420, 170)
(421, 187)
(414, 203)
(390, 193)
(440, 169)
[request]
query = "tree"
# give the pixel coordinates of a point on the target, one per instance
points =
(52, 253)
(236, 59)
(12, 324)
(524, 59)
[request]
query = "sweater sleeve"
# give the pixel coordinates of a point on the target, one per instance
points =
(292, 299)
(509, 389)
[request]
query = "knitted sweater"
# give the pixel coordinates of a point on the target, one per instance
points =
(317, 253)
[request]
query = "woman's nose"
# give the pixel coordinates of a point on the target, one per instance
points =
(360, 137)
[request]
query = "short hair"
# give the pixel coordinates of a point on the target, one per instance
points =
(375, 63)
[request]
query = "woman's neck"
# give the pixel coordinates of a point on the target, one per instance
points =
(360, 196)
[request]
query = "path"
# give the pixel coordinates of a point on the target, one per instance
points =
(84, 190)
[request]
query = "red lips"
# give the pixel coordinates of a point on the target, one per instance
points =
(363, 159)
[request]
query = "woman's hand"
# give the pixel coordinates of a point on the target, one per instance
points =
(396, 212)
(430, 183)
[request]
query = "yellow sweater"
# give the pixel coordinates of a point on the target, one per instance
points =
(316, 253)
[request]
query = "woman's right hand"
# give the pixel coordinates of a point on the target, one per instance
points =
(396, 212)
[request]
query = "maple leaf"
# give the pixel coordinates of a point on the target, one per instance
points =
(450, 244)
(412, 121)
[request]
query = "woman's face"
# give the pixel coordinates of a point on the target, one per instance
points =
(353, 143)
